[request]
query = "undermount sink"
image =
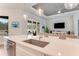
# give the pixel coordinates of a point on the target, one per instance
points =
(36, 42)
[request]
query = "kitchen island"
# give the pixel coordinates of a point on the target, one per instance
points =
(56, 47)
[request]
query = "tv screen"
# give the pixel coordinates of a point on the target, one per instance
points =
(59, 25)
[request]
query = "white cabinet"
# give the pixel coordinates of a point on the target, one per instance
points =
(33, 25)
(1, 40)
(26, 51)
(21, 52)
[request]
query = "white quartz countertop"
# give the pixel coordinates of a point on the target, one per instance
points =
(55, 47)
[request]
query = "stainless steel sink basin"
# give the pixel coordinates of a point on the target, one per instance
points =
(36, 42)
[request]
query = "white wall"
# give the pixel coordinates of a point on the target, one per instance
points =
(33, 17)
(68, 23)
(76, 17)
(17, 15)
(14, 15)
(70, 18)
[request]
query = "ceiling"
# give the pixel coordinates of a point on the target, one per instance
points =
(24, 6)
(48, 8)
(52, 8)
(16, 5)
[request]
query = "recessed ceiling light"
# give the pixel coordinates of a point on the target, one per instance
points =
(59, 11)
(25, 16)
(40, 11)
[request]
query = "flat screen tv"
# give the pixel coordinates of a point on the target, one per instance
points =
(59, 25)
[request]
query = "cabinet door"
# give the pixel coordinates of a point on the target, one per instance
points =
(1, 40)
(26, 51)
(21, 52)
(38, 27)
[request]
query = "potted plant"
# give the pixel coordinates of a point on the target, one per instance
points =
(46, 29)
